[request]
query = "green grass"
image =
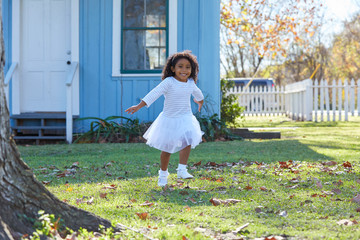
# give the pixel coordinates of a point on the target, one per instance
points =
(185, 210)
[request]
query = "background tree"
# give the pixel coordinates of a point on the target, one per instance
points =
(345, 51)
(260, 31)
(21, 195)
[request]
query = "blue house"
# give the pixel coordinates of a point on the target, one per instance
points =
(95, 58)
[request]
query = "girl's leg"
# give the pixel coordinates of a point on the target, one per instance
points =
(184, 155)
(183, 159)
(164, 158)
(163, 172)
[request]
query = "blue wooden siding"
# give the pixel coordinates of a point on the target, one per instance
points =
(103, 95)
(7, 31)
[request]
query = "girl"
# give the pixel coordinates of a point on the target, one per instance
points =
(176, 128)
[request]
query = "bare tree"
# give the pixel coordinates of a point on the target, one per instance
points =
(21, 195)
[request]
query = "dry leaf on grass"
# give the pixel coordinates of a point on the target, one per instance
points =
(330, 163)
(147, 204)
(347, 165)
(143, 216)
(216, 201)
(356, 199)
(103, 195)
(347, 222)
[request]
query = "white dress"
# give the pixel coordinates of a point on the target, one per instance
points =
(176, 127)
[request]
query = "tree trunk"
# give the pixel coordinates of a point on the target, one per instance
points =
(21, 195)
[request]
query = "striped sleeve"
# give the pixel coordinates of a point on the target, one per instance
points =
(197, 93)
(156, 92)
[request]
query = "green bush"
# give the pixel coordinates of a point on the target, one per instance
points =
(110, 130)
(230, 108)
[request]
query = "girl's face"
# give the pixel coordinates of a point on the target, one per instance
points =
(182, 70)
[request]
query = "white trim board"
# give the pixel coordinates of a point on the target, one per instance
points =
(116, 44)
(16, 50)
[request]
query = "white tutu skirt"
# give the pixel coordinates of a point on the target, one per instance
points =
(173, 134)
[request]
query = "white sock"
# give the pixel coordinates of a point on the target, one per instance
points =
(182, 166)
(163, 173)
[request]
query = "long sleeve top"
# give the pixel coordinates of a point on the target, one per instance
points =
(177, 96)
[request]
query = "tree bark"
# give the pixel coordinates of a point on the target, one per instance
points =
(21, 195)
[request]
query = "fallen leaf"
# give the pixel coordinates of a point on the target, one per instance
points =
(330, 163)
(192, 200)
(263, 189)
(216, 201)
(338, 183)
(184, 238)
(346, 222)
(111, 187)
(147, 204)
(336, 190)
(248, 187)
(187, 208)
(69, 189)
(347, 165)
(103, 195)
(240, 228)
(219, 180)
(91, 201)
(197, 164)
(143, 216)
(133, 200)
(270, 238)
(356, 199)
(318, 184)
(283, 213)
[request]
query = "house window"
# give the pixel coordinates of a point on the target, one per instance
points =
(144, 31)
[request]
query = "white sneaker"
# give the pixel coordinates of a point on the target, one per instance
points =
(183, 173)
(163, 179)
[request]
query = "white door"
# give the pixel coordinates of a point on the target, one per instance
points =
(45, 52)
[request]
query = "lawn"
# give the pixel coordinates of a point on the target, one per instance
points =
(300, 186)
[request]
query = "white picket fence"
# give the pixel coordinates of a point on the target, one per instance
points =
(306, 100)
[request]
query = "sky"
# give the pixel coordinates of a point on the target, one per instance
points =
(340, 10)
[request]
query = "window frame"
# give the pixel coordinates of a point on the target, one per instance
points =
(171, 41)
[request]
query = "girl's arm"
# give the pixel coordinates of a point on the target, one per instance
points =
(135, 108)
(200, 103)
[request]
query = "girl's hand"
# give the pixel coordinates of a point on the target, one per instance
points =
(135, 108)
(200, 103)
(132, 109)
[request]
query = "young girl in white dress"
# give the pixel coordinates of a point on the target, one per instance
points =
(176, 128)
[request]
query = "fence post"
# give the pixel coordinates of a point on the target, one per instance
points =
(282, 104)
(327, 101)
(316, 89)
(340, 98)
(358, 93)
(346, 103)
(333, 92)
(352, 97)
(308, 100)
(322, 99)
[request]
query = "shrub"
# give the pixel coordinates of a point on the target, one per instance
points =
(215, 128)
(230, 108)
(110, 130)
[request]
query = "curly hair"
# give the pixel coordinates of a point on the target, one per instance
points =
(173, 59)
